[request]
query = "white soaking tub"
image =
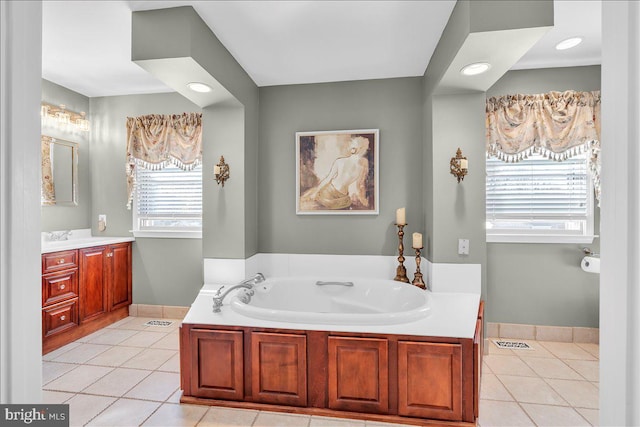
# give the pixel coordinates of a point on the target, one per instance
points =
(330, 301)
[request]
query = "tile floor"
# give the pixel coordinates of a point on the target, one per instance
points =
(127, 374)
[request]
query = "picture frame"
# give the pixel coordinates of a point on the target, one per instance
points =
(337, 172)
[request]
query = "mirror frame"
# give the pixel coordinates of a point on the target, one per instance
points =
(74, 171)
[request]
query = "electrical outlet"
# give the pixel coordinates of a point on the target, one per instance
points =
(102, 222)
(463, 246)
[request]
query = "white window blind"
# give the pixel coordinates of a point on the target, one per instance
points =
(539, 197)
(169, 199)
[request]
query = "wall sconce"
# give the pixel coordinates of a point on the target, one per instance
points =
(459, 165)
(63, 119)
(221, 171)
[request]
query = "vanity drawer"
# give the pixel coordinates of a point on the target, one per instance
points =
(59, 286)
(60, 317)
(56, 261)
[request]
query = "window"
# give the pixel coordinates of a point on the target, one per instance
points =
(168, 202)
(539, 200)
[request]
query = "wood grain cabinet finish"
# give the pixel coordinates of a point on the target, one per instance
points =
(93, 276)
(358, 374)
(391, 378)
(59, 286)
(217, 368)
(279, 368)
(119, 276)
(57, 261)
(430, 380)
(92, 284)
(478, 352)
(60, 317)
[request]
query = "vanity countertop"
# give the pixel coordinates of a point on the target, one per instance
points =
(80, 239)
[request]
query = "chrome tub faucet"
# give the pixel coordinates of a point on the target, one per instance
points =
(247, 284)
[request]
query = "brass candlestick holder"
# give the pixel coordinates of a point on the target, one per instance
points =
(417, 279)
(401, 271)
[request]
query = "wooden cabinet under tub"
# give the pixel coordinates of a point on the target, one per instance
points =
(83, 290)
(393, 378)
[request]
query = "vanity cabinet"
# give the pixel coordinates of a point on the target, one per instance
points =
(83, 290)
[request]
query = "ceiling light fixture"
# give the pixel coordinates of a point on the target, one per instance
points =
(569, 43)
(475, 68)
(199, 87)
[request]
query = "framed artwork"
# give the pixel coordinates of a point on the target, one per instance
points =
(337, 172)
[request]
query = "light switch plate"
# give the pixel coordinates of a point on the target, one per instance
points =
(463, 246)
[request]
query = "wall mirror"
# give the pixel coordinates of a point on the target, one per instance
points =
(59, 172)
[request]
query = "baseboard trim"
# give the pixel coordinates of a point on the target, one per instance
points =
(543, 333)
(158, 311)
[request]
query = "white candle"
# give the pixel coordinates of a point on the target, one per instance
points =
(216, 170)
(464, 163)
(401, 217)
(417, 241)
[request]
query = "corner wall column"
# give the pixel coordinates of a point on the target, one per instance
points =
(20, 305)
(620, 216)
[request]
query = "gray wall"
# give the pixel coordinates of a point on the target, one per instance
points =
(165, 271)
(543, 284)
(70, 217)
(171, 35)
(394, 107)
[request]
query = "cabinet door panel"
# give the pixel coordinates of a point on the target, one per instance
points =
(279, 368)
(93, 291)
(358, 374)
(430, 380)
(120, 277)
(217, 364)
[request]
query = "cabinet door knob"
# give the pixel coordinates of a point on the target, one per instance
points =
(63, 317)
(62, 287)
(110, 254)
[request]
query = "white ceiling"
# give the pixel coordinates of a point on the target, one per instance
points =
(87, 44)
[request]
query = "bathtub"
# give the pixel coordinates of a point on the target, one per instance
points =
(332, 301)
(379, 350)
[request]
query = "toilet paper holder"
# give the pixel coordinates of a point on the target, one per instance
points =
(591, 261)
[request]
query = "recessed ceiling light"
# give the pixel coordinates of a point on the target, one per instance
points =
(569, 43)
(199, 87)
(475, 68)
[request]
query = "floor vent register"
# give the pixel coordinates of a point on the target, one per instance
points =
(512, 345)
(161, 323)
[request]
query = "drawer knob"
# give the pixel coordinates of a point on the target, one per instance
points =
(62, 287)
(63, 317)
(61, 261)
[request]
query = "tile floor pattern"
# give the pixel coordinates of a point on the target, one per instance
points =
(127, 374)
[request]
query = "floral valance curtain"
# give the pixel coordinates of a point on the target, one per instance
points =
(557, 125)
(154, 141)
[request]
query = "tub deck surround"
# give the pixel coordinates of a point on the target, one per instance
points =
(422, 372)
(78, 239)
(450, 315)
